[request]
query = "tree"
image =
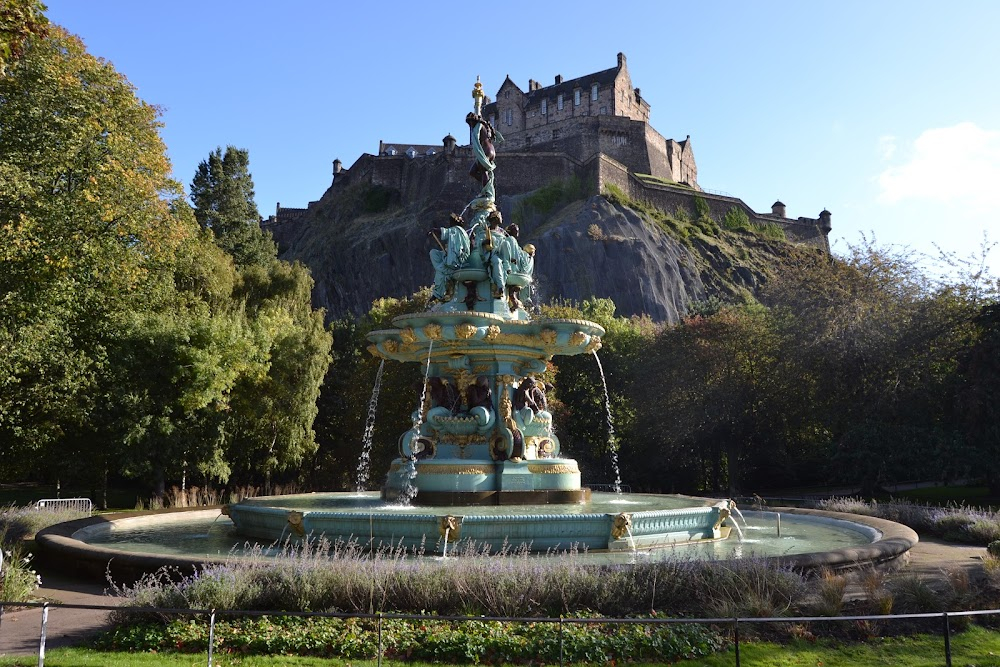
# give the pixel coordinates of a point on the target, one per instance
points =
(223, 197)
(20, 20)
(87, 235)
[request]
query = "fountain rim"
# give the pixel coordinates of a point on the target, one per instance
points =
(58, 548)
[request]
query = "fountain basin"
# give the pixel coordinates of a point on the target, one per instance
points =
(608, 523)
(129, 545)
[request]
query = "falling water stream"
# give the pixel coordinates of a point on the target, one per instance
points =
(409, 490)
(612, 442)
(364, 463)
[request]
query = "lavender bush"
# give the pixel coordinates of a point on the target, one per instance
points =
(960, 523)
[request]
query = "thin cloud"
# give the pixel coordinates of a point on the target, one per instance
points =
(886, 147)
(959, 165)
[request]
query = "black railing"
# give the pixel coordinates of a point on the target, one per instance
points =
(733, 623)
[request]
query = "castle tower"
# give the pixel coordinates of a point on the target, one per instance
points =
(778, 209)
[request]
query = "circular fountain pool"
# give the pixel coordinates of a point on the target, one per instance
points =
(143, 542)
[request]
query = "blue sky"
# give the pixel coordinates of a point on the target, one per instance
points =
(886, 113)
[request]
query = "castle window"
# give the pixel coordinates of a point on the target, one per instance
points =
(559, 102)
(391, 150)
(545, 107)
(431, 151)
(492, 119)
(510, 117)
(507, 95)
(604, 111)
(411, 152)
(593, 92)
(576, 97)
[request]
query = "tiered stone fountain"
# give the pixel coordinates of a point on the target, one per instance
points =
(481, 434)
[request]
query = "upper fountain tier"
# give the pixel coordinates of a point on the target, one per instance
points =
(482, 432)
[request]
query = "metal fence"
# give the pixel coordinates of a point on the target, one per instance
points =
(733, 624)
(66, 504)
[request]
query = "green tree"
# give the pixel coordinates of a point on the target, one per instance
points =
(87, 235)
(20, 20)
(223, 197)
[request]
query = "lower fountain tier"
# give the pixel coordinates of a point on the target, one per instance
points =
(454, 481)
(452, 528)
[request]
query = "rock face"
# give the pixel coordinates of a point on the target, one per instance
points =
(586, 248)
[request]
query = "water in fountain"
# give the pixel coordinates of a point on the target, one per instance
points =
(732, 506)
(409, 490)
(444, 551)
(364, 463)
(612, 442)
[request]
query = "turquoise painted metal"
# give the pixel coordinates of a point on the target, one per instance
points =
(482, 433)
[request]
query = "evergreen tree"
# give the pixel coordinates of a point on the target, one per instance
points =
(223, 198)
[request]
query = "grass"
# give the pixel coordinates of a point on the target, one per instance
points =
(976, 646)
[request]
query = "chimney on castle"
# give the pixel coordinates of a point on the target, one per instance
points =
(778, 209)
(621, 59)
(558, 79)
(449, 144)
(338, 167)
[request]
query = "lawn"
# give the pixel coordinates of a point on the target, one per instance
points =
(975, 647)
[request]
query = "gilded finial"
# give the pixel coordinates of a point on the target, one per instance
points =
(477, 96)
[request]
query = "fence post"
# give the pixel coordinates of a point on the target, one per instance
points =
(561, 640)
(736, 638)
(947, 640)
(1, 579)
(378, 621)
(211, 637)
(41, 637)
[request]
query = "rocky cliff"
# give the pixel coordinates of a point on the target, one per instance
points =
(361, 245)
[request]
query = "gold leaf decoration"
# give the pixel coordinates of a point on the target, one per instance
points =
(492, 333)
(390, 346)
(408, 335)
(548, 336)
(594, 346)
(577, 339)
(433, 331)
(466, 330)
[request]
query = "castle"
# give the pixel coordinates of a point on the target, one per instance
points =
(595, 128)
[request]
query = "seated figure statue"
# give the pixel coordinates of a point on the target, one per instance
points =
(452, 254)
(531, 407)
(479, 398)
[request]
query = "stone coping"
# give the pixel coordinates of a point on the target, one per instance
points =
(890, 550)
(58, 548)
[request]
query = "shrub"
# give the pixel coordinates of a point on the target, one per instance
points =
(424, 639)
(18, 581)
(971, 525)
(19, 523)
(343, 577)
(832, 587)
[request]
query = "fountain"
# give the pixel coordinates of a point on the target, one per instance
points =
(481, 432)
(481, 463)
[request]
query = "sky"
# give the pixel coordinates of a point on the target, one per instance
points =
(885, 113)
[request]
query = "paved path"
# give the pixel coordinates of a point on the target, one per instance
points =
(19, 631)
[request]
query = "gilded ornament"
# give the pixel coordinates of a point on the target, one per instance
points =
(408, 335)
(561, 469)
(548, 336)
(594, 346)
(466, 330)
(375, 352)
(390, 346)
(723, 515)
(492, 333)
(622, 526)
(450, 527)
(295, 523)
(577, 339)
(433, 331)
